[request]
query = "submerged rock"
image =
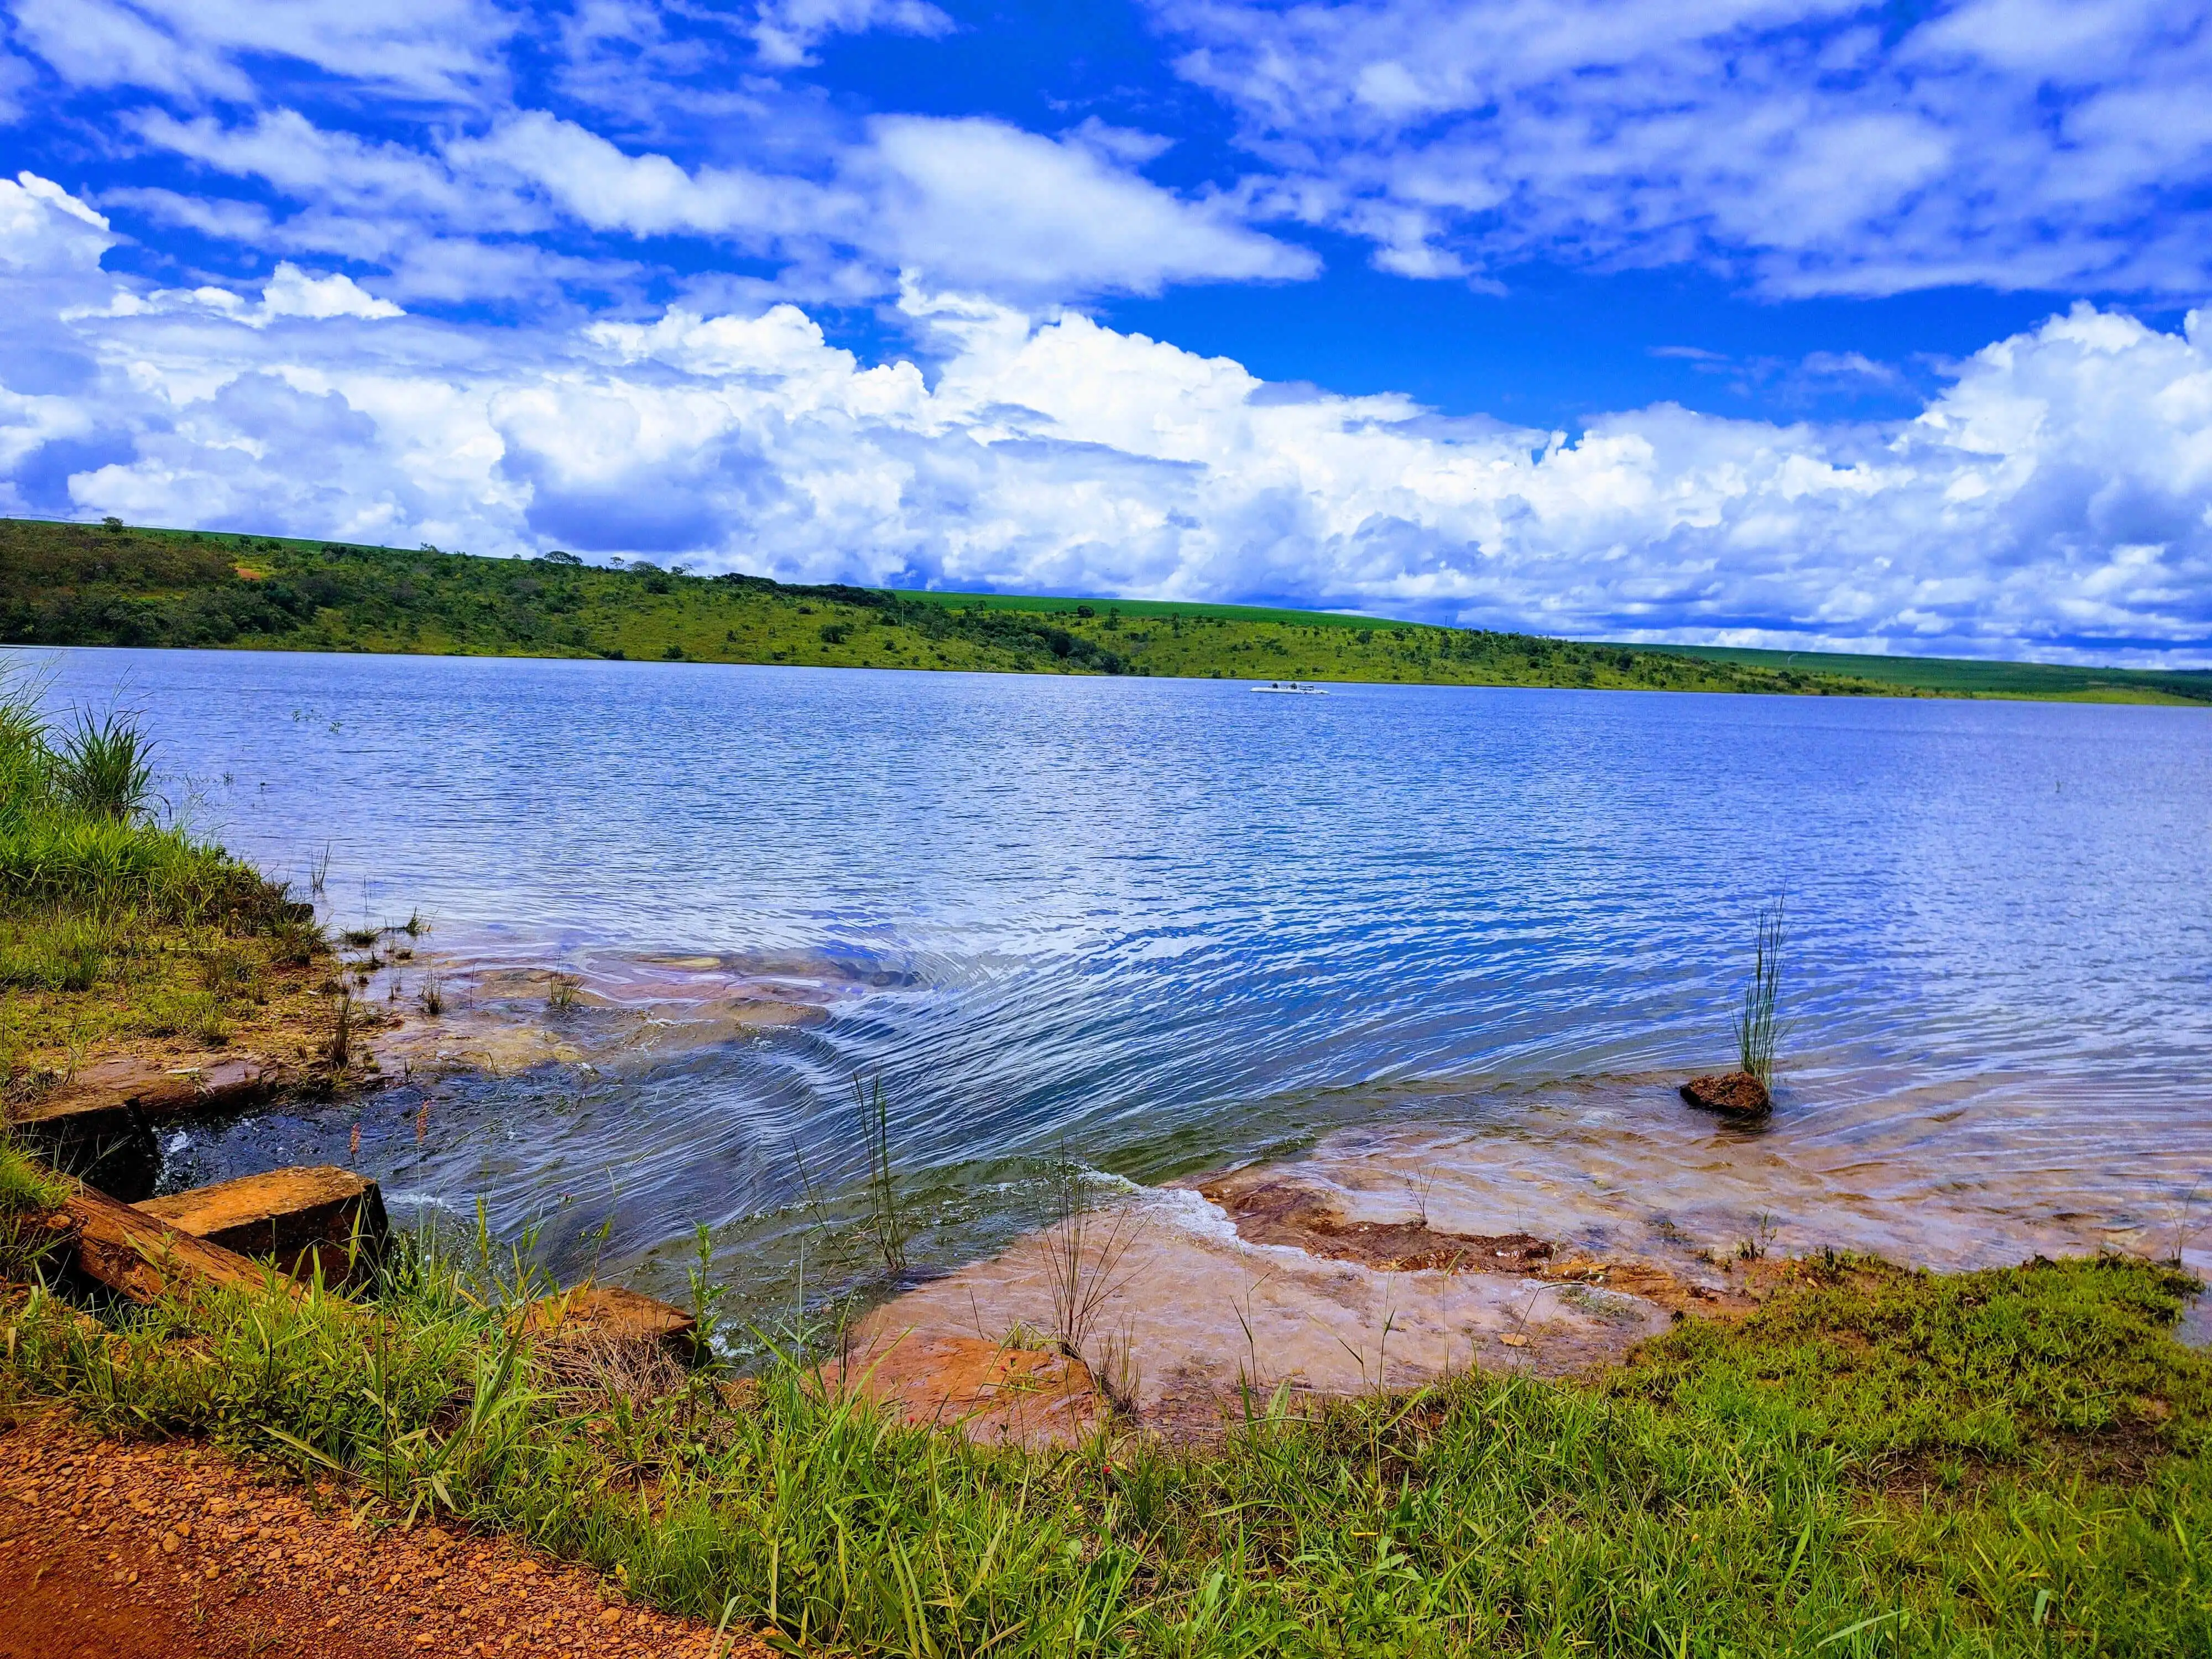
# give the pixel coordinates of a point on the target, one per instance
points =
(1288, 1212)
(1732, 1094)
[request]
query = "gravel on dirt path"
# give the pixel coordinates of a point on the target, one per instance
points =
(173, 1551)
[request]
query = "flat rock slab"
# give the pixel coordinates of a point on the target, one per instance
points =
(220, 1080)
(991, 1392)
(1288, 1212)
(300, 1218)
(98, 1126)
(609, 1313)
(1732, 1094)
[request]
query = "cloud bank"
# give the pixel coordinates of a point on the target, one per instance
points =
(2055, 497)
(1821, 146)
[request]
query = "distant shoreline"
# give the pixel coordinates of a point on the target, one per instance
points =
(77, 585)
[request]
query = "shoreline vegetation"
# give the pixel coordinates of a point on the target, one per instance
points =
(122, 935)
(1864, 1459)
(1875, 1461)
(116, 585)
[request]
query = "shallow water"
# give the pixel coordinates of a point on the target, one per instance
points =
(1463, 938)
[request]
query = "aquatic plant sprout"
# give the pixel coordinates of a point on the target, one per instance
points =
(1754, 1024)
(887, 1221)
(1086, 1258)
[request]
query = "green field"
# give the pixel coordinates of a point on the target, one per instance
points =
(1959, 677)
(66, 584)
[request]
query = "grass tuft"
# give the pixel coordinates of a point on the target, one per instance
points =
(1085, 1255)
(104, 767)
(888, 1223)
(29, 1195)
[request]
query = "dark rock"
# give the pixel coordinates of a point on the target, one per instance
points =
(1732, 1094)
(101, 1139)
(98, 1125)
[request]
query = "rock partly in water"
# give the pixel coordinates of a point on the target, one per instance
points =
(1732, 1094)
(1290, 1212)
(98, 1125)
(298, 1217)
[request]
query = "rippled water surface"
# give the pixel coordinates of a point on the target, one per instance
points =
(1438, 938)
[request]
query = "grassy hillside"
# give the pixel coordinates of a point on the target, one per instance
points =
(114, 585)
(1957, 677)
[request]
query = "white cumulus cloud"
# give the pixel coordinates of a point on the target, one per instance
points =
(2054, 496)
(967, 203)
(435, 48)
(785, 31)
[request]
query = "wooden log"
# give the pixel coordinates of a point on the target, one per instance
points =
(141, 1257)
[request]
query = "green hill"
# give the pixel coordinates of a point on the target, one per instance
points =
(1957, 677)
(67, 584)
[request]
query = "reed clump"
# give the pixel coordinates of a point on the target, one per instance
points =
(1755, 1028)
(888, 1222)
(104, 767)
(1087, 1252)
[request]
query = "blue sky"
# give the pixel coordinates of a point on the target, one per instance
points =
(1793, 322)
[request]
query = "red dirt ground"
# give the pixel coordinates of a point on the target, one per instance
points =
(173, 1551)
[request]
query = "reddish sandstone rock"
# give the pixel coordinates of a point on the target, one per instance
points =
(993, 1393)
(609, 1313)
(144, 1258)
(298, 1217)
(1732, 1094)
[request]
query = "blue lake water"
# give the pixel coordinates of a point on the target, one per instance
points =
(1173, 926)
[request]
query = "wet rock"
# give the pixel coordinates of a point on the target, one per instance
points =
(300, 1218)
(98, 1125)
(1288, 1212)
(98, 1137)
(1732, 1094)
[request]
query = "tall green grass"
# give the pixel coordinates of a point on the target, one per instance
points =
(1883, 1462)
(29, 1194)
(77, 829)
(104, 767)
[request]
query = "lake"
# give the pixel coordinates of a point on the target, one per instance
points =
(1462, 939)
